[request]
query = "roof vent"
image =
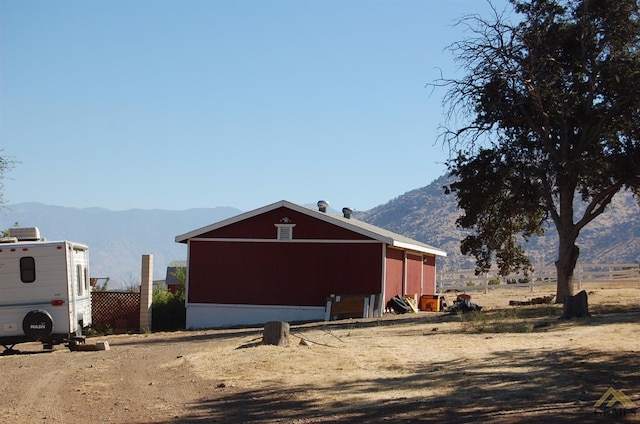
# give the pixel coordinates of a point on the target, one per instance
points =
(25, 234)
(323, 205)
(346, 212)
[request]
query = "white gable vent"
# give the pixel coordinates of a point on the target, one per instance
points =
(25, 234)
(285, 231)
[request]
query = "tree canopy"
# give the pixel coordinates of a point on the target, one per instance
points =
(6, 163)
(550, 106)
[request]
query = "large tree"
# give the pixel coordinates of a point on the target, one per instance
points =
(550, 110)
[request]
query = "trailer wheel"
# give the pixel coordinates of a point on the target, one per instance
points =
(37, 324)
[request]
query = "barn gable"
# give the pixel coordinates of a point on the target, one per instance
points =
(247, 225)
(268, 224)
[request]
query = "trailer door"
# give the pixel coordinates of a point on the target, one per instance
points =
(81, 288)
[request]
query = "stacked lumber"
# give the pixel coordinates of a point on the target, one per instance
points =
(353, 306)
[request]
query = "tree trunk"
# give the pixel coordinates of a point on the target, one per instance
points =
(576, 306)
(276, 333)
(566, 263)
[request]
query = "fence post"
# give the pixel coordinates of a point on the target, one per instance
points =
(146, 292)
(579, 277)
(532, 281)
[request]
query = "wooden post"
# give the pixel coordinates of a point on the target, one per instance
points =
(532, 281)
(276, 333)
(579, 277)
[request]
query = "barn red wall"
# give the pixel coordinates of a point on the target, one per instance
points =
(414, 275)
(429, 271)
(281, 273)
(394, 273)
(263, 227)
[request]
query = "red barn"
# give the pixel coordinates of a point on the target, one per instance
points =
(281, 262)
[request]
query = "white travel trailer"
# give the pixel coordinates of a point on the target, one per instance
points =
(45, 293)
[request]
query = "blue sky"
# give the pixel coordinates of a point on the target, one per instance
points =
(171, 104)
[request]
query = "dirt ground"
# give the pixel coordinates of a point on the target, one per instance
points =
(504, 364)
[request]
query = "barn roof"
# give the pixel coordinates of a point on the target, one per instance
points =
(171, 271)
(360, 227)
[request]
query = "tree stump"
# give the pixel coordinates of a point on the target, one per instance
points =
(575, 306)
(276, 333)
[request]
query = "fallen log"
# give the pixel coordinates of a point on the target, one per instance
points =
(535, 301)
(519, 302)
(90, 347)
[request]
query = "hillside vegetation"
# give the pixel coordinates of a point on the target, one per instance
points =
(428, 215)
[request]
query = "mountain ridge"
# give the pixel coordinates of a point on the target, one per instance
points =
(118, 239)
(428, 215)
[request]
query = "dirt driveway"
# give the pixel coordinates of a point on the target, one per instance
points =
(505, 364)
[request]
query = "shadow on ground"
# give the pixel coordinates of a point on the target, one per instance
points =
(559, 387)
(532, 385)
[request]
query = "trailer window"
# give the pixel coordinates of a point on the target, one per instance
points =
(79, 277)
(27, 269)
(86, 279)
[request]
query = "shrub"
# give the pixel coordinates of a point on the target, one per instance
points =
(168, 311)
(525, 280)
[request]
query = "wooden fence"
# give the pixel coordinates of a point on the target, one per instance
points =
(115, 311)
(467, 280)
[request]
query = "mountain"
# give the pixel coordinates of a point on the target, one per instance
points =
(117, 239)
(428, 215)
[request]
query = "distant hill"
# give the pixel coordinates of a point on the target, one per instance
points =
(118, 239)
(428, 215)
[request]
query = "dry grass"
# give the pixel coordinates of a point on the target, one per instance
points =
(503, 364)
(500, 359)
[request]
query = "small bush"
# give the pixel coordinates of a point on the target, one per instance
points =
(494, 282)
(168, 310)
(525, 280)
